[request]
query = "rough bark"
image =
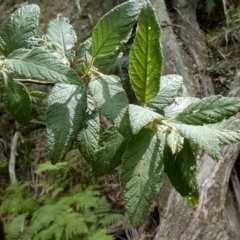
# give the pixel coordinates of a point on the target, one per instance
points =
(217, 215)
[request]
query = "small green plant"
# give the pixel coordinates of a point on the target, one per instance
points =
(162, 133)
(60, 212)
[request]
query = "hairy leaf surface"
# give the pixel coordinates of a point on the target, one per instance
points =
(88, 135)
(114, 28)
(84, 48)
(16, 98)
(65, 114)
(180, 103)
(182, 172)
(202, 136)
(108, 157)
(111, 100)
(145, 56)
(174, 141)
(142, 167)
(209, 110)
(140, 117)
(169, 87)
(39, 98)
(19, 28)
(227, 131)
(62, 34)
(41, 65)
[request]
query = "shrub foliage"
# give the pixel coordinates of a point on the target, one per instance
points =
(160, 133)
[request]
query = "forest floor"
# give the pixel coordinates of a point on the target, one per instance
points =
(224, 62)
(223, 40)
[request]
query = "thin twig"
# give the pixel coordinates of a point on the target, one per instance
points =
(35, 81)
(226, 12)
(79, 8)
(12, 161)
(169, 125)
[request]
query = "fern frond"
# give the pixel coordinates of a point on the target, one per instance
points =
(16, 227)
(86, 198)
(16, 201)
(28, 205)
(109, 219)
(47, 167)
(52, 232)
(44, 216)
(100, 235)
(74, 225)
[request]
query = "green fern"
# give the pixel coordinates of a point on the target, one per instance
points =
(48, 167)
(16, 226)
(18, 200)
(81, 214)
(63, 212)
(100, 235)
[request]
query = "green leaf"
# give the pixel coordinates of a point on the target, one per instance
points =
(18, 28)
(14, 228)
(88, 135)
(209, 110)
(141, 173)
(140, 117)
(202, 136)
(227, 131)
(62, 34)
(41, 65)
(16, 98)
(38, 98)
(174, 141)
(114, 28)
(145, 56)
(65, 114)
(103, 63)
(179, 104)
(169, 87)
(84, 48)
(108, 157)
(101, 234)
(182, 171)
(111, 100)
(48, 167)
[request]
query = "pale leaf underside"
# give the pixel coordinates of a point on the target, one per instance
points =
(19, 28)
(209, 110)
(39, 64)
(88, 135)
(142, 166)
(65, 114)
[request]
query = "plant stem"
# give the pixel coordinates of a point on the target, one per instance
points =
(172, 118)
(97, 72)
(35, 81)
(12, 161)
(169, 125)
(90, 66)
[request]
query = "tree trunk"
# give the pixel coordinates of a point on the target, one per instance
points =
(217, 215)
